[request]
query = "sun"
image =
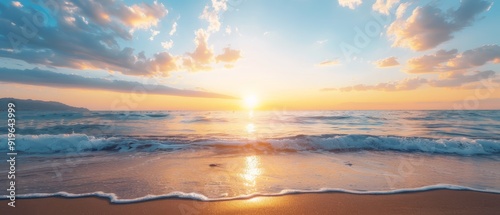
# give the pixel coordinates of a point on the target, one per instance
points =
(251, 101)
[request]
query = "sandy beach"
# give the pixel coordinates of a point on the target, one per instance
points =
(429, 202)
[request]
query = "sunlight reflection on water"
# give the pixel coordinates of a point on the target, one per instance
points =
(251, 171)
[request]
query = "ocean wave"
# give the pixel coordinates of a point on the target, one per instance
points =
(105, 115)
(202, 119)
(323, 117)
(75, 143)
(197, 196)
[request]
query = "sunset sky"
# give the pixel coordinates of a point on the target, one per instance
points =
(294, 55)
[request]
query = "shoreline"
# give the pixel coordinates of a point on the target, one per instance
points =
(420, 202)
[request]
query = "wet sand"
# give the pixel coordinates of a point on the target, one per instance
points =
(428, 202)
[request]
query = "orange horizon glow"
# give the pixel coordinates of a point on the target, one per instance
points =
(422, 99)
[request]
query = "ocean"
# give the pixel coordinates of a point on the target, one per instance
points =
(214, 155)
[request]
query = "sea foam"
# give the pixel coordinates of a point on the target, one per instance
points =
(197, 196)
(75, 143)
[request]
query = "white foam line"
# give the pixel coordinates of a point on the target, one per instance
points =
(74, 143)
(196, 196)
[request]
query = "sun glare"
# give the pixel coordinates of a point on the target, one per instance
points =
(251, 101)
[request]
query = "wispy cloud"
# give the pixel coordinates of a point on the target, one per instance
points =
(173, 30)
(212, 14)
(321, 42)
(332, 62)
(455, 80)
(406, 84)
(228, 30)
(387, 62)
(459, 79)
(383, 6)
(153, 34)
(52, 79)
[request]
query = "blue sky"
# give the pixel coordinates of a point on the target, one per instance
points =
(286, 52)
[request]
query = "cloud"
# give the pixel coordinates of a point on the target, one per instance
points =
(51, 79)
(455, 80)
(400, 12)
(211, 14)
(329, 62)
(84, 35)
(430, 63)
(383, 6)
(153, 34)
(17, 4)
(388, 62)
(142, 15)
(351, 4)
(483, 104)
(167, 45)
(228, 30)
(459, 79)
(428, 26)
(406, 84)
(87, 35)
(475, 57)
(228, 56)
(321, 42)
(174, 29)
(450, 60)
(203, 54)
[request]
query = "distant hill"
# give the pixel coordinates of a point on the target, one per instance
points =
(37, 105)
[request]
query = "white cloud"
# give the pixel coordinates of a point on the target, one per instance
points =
(167, 44)
(174, 29)
(153, 34)
(351, 4)
(384, 6)
(211, 14)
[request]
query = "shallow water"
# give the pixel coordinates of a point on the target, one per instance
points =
(216, 155)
